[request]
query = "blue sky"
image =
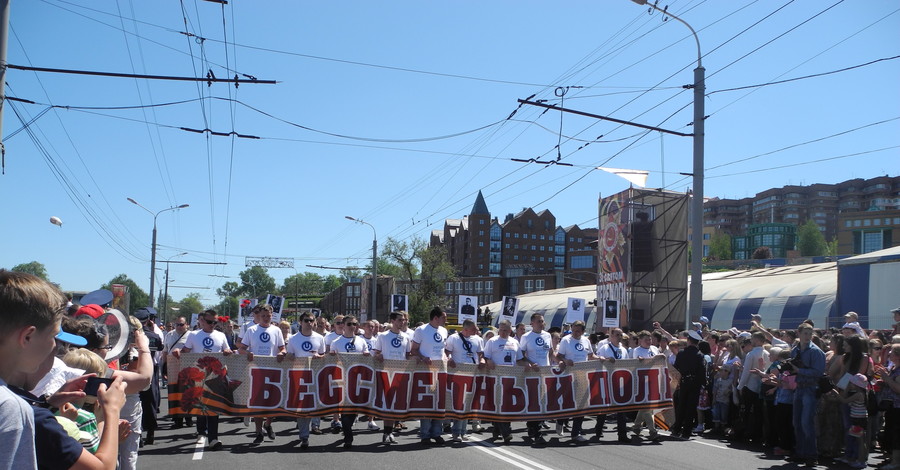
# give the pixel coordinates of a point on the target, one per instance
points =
(370, 99)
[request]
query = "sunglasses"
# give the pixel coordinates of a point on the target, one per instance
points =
(179, 324)
(351, 324)
(307, 321)
(211, 322)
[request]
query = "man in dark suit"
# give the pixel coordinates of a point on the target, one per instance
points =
(468, 308)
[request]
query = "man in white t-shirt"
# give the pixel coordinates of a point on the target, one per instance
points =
(405, 327)
(612, 351)
(645, 350)
(428, 345)
(574, 348)
(465, 347)
(392, 345)
(537, 347)
(306, 343)
(207, 340)
(262, 339)
(502, 350)
(349, 344)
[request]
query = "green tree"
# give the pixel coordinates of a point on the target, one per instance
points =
(430, 266)
(256, 282)
(33, 267)
(228, 306)
(405, 256)
(831, 248)
(810, 240)
(229, 289)
(720, 246)
(331, 282)
(190, 304)
(137, 297)
(164, 306)
(305, 283)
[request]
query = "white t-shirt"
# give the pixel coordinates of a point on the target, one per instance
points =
(174, 340)
(612, 352)
(201, 341)
(408, 333)
(503, 351)
(431, 341)
(329, 338)
(354, 345)
(536, 347)
(263, 341)
(306, 346)
(370, 341)
(464, 350)
(575, 350)
(640, 352)
(392, 346)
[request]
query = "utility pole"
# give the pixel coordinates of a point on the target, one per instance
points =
(4, 39)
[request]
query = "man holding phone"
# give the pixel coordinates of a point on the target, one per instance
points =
(207, 340)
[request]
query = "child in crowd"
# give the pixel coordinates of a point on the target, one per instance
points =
(782, 435)
(855, 396)
(721, 398)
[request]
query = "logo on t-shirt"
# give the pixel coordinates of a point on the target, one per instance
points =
(579, 347)
(350, 346)
(438, 338)
(207, 342)
(265, 337)
(396, 342)
(306, 346)
(540, 342)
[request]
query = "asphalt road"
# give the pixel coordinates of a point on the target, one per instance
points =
(177, 449)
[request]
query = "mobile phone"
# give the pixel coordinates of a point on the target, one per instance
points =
(93, 384)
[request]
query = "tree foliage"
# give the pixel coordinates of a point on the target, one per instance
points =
(138, 298)
(229, 289)
(305, 283)
(831, 248)
(34, 268)
(256, 282)
(762, 252)
(810, 240)
(190, 304)
(430, 266)
(720, 246)
(228, 306)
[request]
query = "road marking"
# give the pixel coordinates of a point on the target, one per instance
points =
(698, 442)
(487, 447)
(198, 449)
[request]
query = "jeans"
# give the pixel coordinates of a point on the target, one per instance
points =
(576, 426)
(720, 412)
(459, 427)
(347, 420)
(208, 425)
(430, 428)
(805, 422)
(303, 427)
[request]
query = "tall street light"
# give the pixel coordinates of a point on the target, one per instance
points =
(153, 244)
(165, 305)
(374, 261)
(695, 302)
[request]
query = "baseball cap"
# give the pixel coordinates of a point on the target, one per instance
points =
(704, 320)
(74, 340)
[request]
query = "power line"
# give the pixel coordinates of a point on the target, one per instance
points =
(821, 74)
(236, 81)
(866, 152)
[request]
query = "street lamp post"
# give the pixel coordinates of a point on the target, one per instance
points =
(374, 261)
(165, 306)
(695, 302)
(153, 243)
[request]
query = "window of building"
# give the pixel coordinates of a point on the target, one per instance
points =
(559, 262)
(530, 223)
(488, 287)
(481, 222)
(579, 240)
(517, 235)
(857, 223)
(560, 236)
(481, 232)
(542, 247)
(515, 257)
(582, 261)
(542, 237)
(705, 250)
(480, 266)
(459, 287)
(468, 287)
(560, 249)
(534, 258)
(706, 236)
(533, 248)
(481, 244)
(872, 241)
(507, 234)
(506, 245)
(529, 285)
(448, 288)
(541, 259)
(516, 246)
(547, 224)
(538, 284)
(848, 223)
(571, 239)
(867, 223)
(478, 287)
(534, 236)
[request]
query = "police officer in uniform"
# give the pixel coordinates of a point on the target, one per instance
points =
(689, 363)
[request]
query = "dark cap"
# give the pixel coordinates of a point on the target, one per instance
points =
(100, 297)
(144, 313)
